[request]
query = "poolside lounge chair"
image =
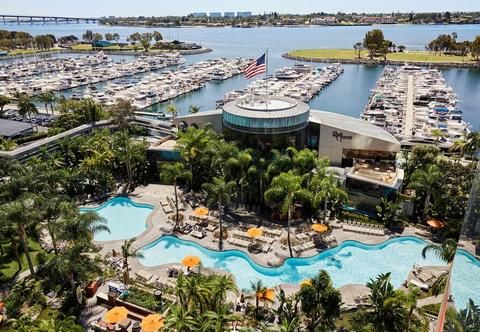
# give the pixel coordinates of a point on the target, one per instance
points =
(426, 277)
(421, 285)
(143, 276)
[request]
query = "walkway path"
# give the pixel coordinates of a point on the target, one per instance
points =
(409, 111)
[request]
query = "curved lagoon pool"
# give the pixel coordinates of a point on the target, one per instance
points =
(465, 279)
(125, 218)
(350, 263)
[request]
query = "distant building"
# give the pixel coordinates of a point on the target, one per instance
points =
(244, 14)
(229, 14)
(378, 20)
(328, 20)
(215, 14)
(199, 14)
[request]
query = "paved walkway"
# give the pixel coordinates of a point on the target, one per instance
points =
(409, 116)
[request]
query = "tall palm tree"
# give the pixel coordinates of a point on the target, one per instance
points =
(80, 227)
(19, 213)
(260, 292)
(437, 134)
(286, 188)
(172, 173)
(26, 107)
(128, 251)
(222, 285)
(196, 293)
(425, 180)
(326, 188)
(220, 193)
(473, 143)
(242, 161)
(410, 301)
(459, 146)
(125, 145)
(47, 98)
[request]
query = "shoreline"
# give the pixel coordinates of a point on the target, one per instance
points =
(374, 62)
(106, 51)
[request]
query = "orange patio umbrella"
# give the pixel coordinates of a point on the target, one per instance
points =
(152, 323)
(191, 261)
(320, 228)
(254, 232)
(200, 211)
(115, 315)
(306, 282)
(268, 294)
(437, 224)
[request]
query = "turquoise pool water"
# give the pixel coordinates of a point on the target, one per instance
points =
(465, 279)
(350, 263)
(125, 218)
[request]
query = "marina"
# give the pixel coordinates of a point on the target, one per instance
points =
(159, 87)
(416, 105)
(301, 82)
(58, 74)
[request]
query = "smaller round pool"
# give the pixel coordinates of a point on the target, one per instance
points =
(125, 218)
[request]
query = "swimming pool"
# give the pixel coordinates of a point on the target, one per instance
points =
(465, 279)
(351, 262)
(125, 218)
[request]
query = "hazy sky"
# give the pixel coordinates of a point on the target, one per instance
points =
(97, 8)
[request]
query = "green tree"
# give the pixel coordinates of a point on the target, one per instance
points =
(172, 109)
(128, 251)
(438, 135)
(180, 320)
(220, 193)
(388, 213)
(475, 48)
(26, 107)
(172, 173)
(88, 36)
(47, 98)
(4, 101)
(78, 227)
(20, 215)
(358, 47)
(259, 291)
(192, 109)
(373, 41)
(425, 181)
(286, 188)
(469, 317)
(320, 302)
(92, 110)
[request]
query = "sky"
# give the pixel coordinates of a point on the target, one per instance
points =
(98, 8)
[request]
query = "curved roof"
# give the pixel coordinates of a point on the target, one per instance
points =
(278, 107)
(351, 124)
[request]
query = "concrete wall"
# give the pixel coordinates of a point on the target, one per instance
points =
(201, 119)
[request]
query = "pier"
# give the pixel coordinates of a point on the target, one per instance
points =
(409, 113)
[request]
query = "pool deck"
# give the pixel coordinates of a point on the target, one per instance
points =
(159, 225)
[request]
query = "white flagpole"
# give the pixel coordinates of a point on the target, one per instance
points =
(266, 78)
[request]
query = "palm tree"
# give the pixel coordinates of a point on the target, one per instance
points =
(26, 107)
(446, 251)
(425, 180)
(220, 193)
(171, 173)
(92, 110)
(220, 318)
(469, 318)
(195, 293)
(286, 188)
(410, 301)
(459, 146)
(326, 188)
(129, 252)
(172, 109)
(4, 101)
(222, 285)
(242, 163)
(180, 320)
(20, 214)
(387, 212)
(258, 290)
(193, 109)
(80, 227)
(47, 98)
(437, 134)
(473, 143)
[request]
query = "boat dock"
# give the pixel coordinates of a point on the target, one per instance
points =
(58, 74)
(416, 106)
(300, 82)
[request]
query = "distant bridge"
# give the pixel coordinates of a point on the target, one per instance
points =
(45, 19)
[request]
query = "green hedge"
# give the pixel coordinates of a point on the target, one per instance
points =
(31, 138)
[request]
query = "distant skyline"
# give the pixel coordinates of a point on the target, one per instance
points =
(98, 8)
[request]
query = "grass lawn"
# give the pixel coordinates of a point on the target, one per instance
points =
(8, 264)
(406, 56)
(31, 51)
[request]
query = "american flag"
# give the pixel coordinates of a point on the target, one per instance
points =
(255, 68)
